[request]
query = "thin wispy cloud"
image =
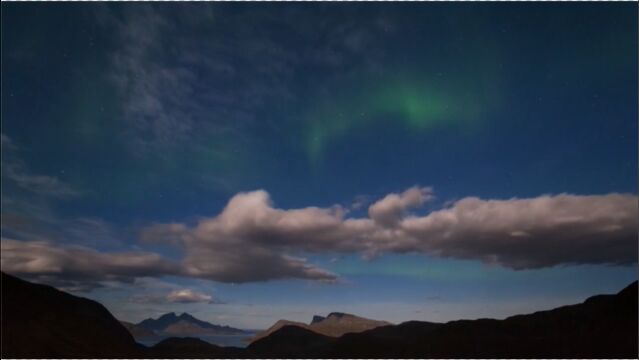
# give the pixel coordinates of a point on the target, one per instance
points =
(16, 171)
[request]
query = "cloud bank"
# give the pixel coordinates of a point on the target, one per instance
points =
(250, 234)
(75, 265)
(529, 233)
(252, 240)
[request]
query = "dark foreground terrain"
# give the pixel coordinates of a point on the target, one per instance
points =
(40, 321)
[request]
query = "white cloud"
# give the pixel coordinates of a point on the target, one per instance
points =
(251, 240)
(529, 233)
(189, 296)
(390, 210)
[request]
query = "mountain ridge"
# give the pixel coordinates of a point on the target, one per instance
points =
(39, 321)
(334, 324)
(185, 324)
(138, 332)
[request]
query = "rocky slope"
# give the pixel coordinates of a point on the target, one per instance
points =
(338, 324)
(138, 332)
(39, 321)
(334, 325)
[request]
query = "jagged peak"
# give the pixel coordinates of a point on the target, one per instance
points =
(168, 315)
(338, 315)
(317, 318)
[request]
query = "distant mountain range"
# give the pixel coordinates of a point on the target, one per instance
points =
(604, 326)
(39, 321)
(182, 325)
(334, 325)
(138, 332)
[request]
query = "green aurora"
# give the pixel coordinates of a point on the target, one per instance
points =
(417, 103)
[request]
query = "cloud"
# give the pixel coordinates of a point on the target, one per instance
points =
(359, 202)
(168, 66)
(47, 261)
(26, 218)
(156, 96)
(163, 72)
(6, 143)
(389, 210)
(15, 171)
(251, 240)
(529, 233)
(40, 184)
(28, 214)
(189, 296)
(27, 204)
(181, 296)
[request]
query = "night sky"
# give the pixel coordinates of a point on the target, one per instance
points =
(248, 162)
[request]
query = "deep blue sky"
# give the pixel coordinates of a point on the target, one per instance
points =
(116, 117)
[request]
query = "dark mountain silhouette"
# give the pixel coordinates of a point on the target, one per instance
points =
(337, 324)
(316, 319)
(185, 324)
(137, 331)
(39, 321)
(160, 323)
(291, 341)
(603, 326)
(189, 347)
(334, 325)
(278, 325)
(376, 341)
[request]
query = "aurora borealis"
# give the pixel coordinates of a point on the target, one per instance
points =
(417, 105)
(292, 159)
